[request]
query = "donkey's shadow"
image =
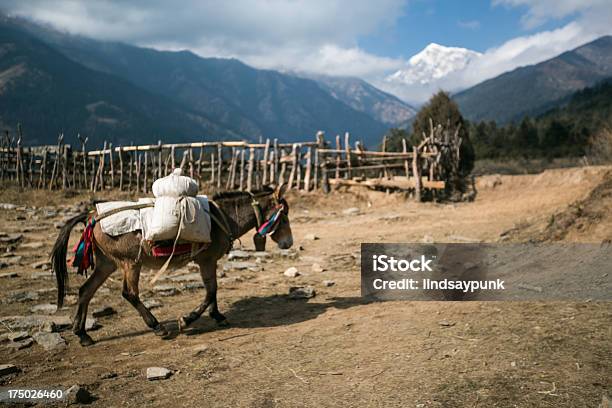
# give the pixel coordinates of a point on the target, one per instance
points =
(254, 312)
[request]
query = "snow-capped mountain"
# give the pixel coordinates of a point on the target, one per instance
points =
(433, 63)
(428, 71)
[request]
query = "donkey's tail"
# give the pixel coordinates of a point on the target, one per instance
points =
(58, 256)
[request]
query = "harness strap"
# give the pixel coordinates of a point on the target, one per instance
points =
(126, 208)
(225, 227)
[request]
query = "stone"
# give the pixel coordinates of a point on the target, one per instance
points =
(152, 303)
(18, 336)
(291, 272)
(44, 265)
(158, 373)
(22, 344)
(103, 311)
(77, 395)
(166, 290)
(91, 324)
(61, 323)
(32, 245)
(50, 341)
(10, 238)
(238, 266)
(13, 259)
(23, 322)
(186, 278)
(40, 275)
(311, 237)
(193, 286)
(351, 211)
(45, 308)
(48, 327)
(261, 254)
(288, 253)
(301, 292)
(238, 254)
(109, 375)
(7, 206)
(199, 349)
(316, 268)
(446, 323)
(22, 296)
(6, 369)
(7, 274)
(328, 283)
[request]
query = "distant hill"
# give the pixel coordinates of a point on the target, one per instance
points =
(564, 131)
(247, 101)
(362, 96)
(49, 94)
(534, 89)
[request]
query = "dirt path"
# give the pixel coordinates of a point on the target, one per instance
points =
(335, 350)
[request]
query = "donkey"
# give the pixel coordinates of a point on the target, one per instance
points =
(234, 213)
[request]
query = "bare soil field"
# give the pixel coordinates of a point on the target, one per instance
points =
(332, 350)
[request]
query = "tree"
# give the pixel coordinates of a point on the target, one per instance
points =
(444, 111)
(394, 139)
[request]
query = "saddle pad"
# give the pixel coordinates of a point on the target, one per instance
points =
(123, 221)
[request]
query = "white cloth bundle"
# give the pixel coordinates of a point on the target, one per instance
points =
(175, 185)
(121, 222)
(187, 217)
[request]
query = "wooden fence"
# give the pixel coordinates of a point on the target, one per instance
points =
(226, 165)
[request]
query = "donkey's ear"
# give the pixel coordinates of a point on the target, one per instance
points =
(279, 192)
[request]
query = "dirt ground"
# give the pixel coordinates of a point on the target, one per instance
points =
(335, 350)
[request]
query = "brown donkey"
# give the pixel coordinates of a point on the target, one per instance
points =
(237, 211)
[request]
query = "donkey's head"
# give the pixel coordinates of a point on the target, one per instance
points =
(277, 215)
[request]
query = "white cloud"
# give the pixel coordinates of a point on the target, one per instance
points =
(314, 35)
(469, 24)
(541, 11)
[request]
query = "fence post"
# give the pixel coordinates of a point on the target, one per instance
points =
(416, 170)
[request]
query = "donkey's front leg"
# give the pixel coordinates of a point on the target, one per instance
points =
(208, 271)
(131, 276)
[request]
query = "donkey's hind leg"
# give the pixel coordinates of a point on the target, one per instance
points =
(208, 271)
(104, 267)
(131, 276)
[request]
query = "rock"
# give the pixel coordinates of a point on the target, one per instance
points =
(311, 237)
(23, 322)
(199, 349)
(45, 308)
(48, 327)
(351, 211)
(10, 238)
(7, 274)
(328, 283)
(71, 300)
(152, 303)
(291, 272)
(530, 287)
(17, 336)
(49, 341)
(103, 311)
(40, 275)
(77, 395)
(22, 296)
(32, 245)
(186, 278)
(7, 206)
(261, 254)
(6, 369)
(427, 239)
(316, 268)
(301, 292)
(238, 254)
(238, 266)
(61, 323)
(193, 286)
(23, 344)
(44, 265)
(288, 253)
(158, 373)
(91, 324)
(166, 290)
(446, 323)
(13, 259)
(109, 375)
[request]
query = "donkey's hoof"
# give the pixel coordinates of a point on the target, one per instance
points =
(85, 340)
(182, 324)
(161, 331)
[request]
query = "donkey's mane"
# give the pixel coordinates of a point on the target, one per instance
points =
(228, 195)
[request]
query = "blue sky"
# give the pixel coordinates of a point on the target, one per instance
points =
(477, 25)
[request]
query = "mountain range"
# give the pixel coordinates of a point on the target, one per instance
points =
(140, 94)
(534, 89)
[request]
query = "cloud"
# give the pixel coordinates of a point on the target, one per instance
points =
(541, 11)
(469, 24)
(317, 35)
